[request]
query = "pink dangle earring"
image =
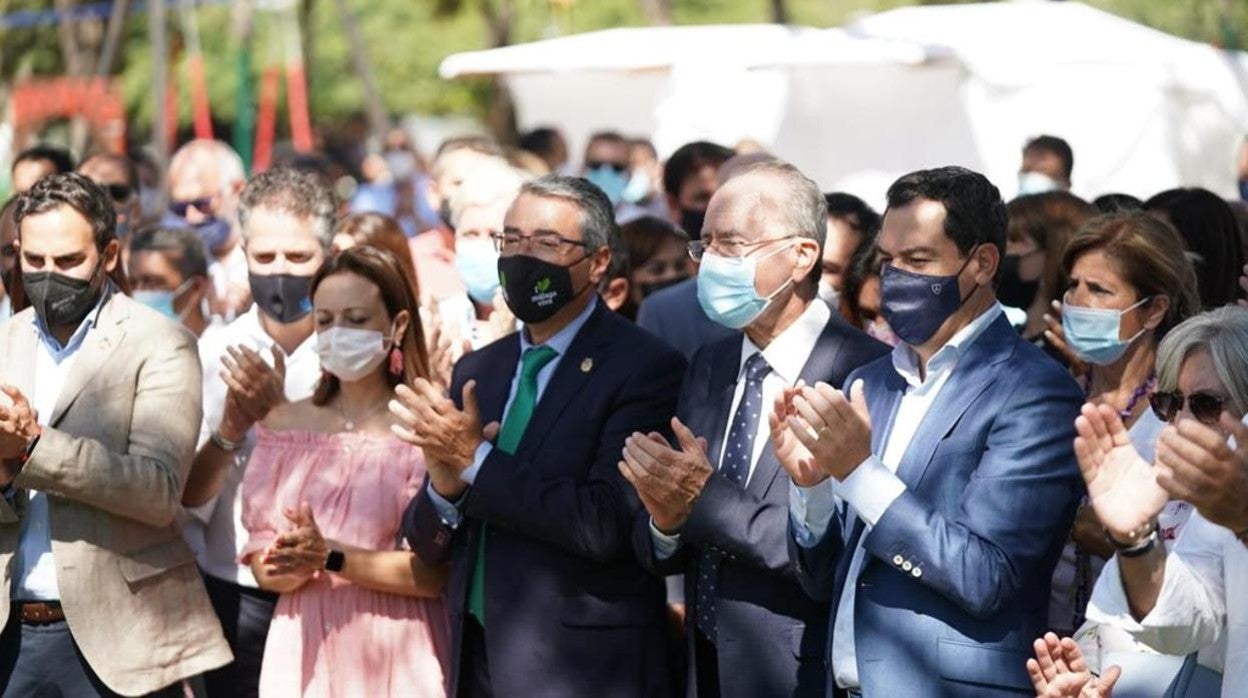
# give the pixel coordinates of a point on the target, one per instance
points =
(396, 362)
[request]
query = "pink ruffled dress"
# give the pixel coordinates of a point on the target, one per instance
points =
(330, 637)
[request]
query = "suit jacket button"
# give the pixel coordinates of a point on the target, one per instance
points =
(906, 565)
(897, 560)
(916, 572)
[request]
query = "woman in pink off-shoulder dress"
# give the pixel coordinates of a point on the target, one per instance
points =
(359, 614)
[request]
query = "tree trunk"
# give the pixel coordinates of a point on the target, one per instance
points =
(658, 12)
(378, 119)
(500, 118)
(159, 39)
(112, 40)
(779, 11)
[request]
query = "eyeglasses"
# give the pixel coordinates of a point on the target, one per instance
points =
(203, 204)
(549, 243)
(595, 164)
(728, 248)
(1206, 407)
(120, 193)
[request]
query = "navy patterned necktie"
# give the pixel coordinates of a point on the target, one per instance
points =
(735, 467)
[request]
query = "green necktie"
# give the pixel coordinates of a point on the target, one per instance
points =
(509, 436)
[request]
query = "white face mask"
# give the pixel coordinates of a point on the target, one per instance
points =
(829, 294)
(350, 354)
(1035, 183)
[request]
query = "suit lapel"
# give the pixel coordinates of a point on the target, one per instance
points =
(574, 369)
(963, 388)
(98, 346)
(723, 383)
(819, 366)
(494, 383)
(20, 364)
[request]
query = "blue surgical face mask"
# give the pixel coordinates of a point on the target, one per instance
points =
(477, 263)
(726, 289)
(609, 180)
(213, 232)
(162, 301)
(916, 305)
(1035, 183)
(638, 187)
(1093, 332)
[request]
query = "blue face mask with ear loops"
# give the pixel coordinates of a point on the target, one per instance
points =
(916, 305)
(1093, 332)
(726, 289)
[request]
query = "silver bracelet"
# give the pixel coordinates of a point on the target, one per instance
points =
(225, 444)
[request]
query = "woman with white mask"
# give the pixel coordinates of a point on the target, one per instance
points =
(324, 495)
(1129, 284)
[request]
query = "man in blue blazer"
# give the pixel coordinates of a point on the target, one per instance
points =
(720, 516)
(931, 502)
(546, 596)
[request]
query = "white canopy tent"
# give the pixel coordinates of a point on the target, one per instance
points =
(915, 87)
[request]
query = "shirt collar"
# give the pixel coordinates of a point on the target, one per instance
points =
(249, 327)
(788, 352)
(906, 360)
(563, 338)
(59, 353)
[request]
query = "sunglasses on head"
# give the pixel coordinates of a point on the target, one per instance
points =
(1205, 407)
(202, 204)
(595, 164)
(120, 193)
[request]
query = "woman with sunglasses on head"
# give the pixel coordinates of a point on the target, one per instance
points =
(1202, 377)
(324, 494)
(1128, 285)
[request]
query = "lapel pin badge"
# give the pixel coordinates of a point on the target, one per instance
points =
(587, 365)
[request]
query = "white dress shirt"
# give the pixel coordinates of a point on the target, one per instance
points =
(787, 355)
(872, 488)
(1201, 606)
(231, 271)
(34, 577)
(560, 342)
(215, 530)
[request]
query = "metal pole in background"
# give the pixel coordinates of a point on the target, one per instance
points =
(159, 38)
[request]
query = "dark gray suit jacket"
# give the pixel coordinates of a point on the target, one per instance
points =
(676, 317)
(771, 636)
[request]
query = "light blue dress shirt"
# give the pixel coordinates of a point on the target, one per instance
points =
(34, 573)
(560, 342)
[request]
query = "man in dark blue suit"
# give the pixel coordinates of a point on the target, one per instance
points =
(546, 596)
(720, 516)
(933, 500)
(690, 177)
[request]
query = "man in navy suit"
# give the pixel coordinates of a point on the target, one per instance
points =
(721, 515)
(524, 499)
(690, 177)
(933, 500)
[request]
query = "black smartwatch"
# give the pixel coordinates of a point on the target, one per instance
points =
(335, 560)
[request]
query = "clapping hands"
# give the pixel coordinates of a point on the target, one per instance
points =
(819, 432)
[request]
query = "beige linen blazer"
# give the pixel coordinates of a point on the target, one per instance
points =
(113, 460)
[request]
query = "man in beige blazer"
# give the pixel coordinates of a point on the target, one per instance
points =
(99, 412)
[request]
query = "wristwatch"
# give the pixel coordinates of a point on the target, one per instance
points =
(335, 560)
(225, 444)
(1142, 542)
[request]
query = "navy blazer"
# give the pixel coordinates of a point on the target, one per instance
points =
(568, 609)
(771, 636)
(955, 584)
(675, 316)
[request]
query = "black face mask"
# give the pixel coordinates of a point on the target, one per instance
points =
(61, 300)
(691, 222)
(534, 288)
(1013, 291)
(283, 297)
(647, 289)
(444, 213)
